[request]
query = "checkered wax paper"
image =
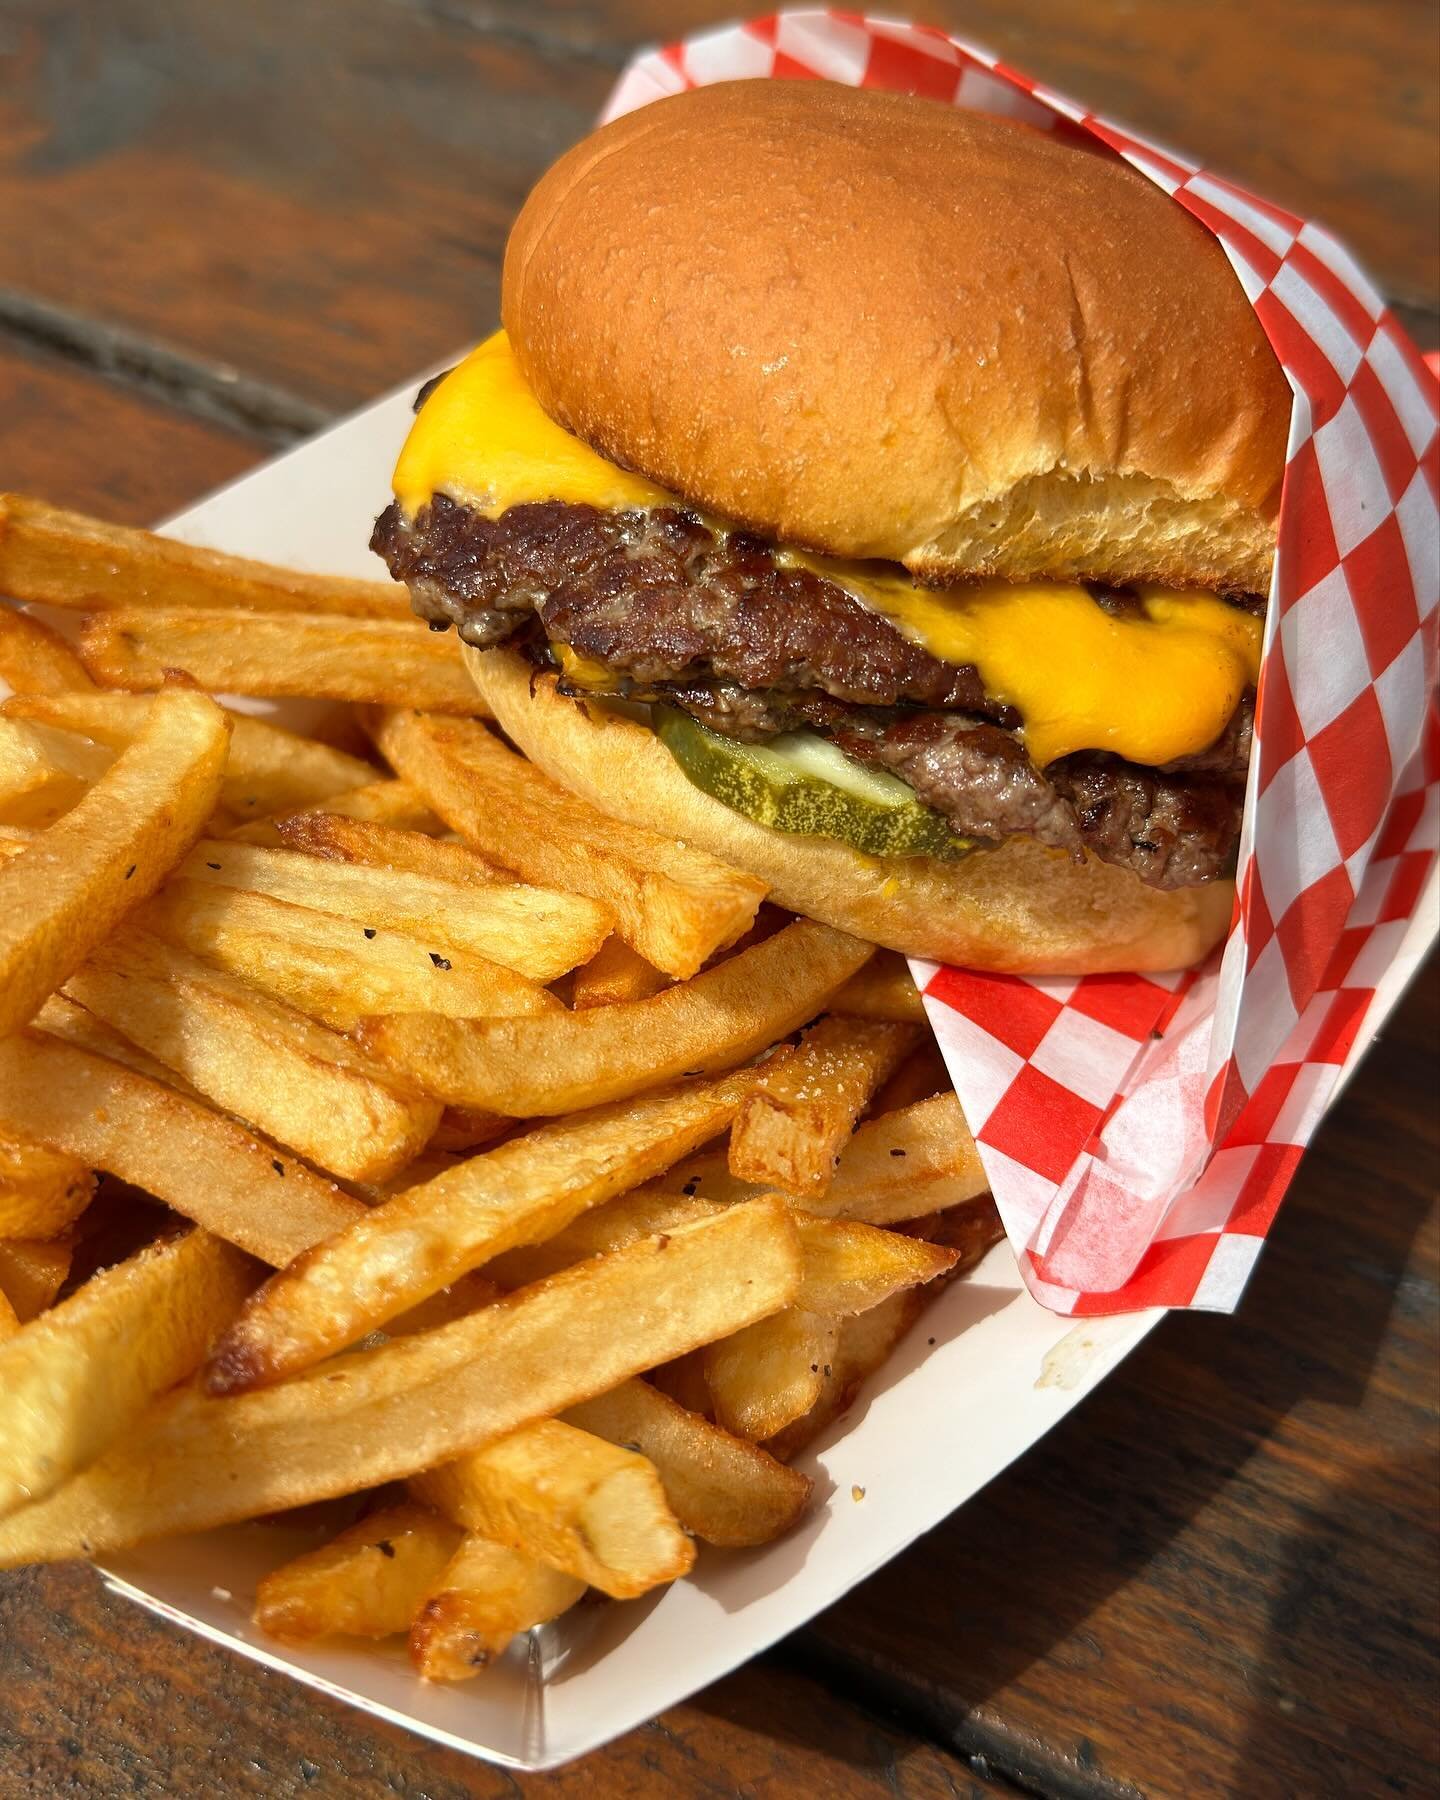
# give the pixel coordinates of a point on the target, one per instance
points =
(1140, 1130)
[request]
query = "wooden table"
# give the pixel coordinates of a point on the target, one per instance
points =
(221, 226)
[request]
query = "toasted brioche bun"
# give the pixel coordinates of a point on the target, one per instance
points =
(1021, 909)
(875, 326)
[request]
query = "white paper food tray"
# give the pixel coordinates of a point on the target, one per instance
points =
(985, 1374)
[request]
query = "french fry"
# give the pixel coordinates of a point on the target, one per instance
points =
(44, 772)
(486, 1595)
(771, 1373)
(850, 1266)
(865, 1343)
(205, 1166)
(384, 844)
(73, 1381)
(36, 660)
(66, 1019)
(365, 1583)
(883, 989)
(421, 1240)
(615, 974)
(714, 1021)
(302, 1085)
(918, 1160)
(386, 803)
(538, 933)
(42, 1191)
(719, 1487)
(334, 969)
(382, 1415)
(310, 655)
(267, 768)
(32, 1273)
(569, 1499)
(65, 891)
(64, 559)
(610, 1226)
(795, 1120)
(674, 905)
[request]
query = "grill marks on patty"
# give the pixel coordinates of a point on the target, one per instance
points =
(752, 648)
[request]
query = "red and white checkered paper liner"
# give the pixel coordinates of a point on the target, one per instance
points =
(1140, 1130)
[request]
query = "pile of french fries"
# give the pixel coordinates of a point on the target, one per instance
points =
(524, 1174)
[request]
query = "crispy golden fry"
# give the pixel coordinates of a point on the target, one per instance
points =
(771, 1373)
(921, 1076)
(65, 892)
(207, 1167)
(704, 1176)
(267, 769)
(385, 1414)
(615, 974)
(366, 1583)
(865, 1343)
(719, 1487)
(36, 660)
(32, 1273)
(883, 989)
(386, 803)
(611, 1226)
(44, 772)
(333, 968)
(795, 1121)
(312, 656)
(850, 1267)
(539, 933)
(460, 1130)
(525, 1190)
(582, 1059)
(486, 1595)
(65, 559)
(73, 1381)
(675, 905)
(65, 1018)
(918, 1160)
(387, 844)
(303, 1086)
(569, 1499)
(42, 1191)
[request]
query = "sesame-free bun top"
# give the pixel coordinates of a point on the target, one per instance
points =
(876, 326)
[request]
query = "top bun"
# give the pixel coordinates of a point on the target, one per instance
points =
(875, 326)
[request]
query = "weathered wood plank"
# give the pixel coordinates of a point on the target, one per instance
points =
(1219, 1576)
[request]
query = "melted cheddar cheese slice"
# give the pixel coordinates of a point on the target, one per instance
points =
(1149, 688)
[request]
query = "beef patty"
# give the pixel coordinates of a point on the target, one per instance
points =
(751, 647)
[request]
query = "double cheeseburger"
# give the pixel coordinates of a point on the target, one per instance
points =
(881, 497)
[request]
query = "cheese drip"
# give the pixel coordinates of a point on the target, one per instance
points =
(1149, 688)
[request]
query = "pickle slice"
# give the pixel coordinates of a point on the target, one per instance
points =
(799, 782)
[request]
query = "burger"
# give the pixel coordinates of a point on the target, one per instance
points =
(881, 497)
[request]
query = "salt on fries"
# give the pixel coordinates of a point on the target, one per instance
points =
(611, 1246)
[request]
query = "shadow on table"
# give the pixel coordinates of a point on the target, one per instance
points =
(1009, 1582)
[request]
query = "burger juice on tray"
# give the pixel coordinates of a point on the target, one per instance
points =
(882, 497)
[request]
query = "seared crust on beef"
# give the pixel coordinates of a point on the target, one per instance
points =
(752, 648)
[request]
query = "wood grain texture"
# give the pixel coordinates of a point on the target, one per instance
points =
(334, 181)
(101, 1699)
(1219, 1575)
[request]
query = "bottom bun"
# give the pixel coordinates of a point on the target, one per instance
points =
(1022, 908)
